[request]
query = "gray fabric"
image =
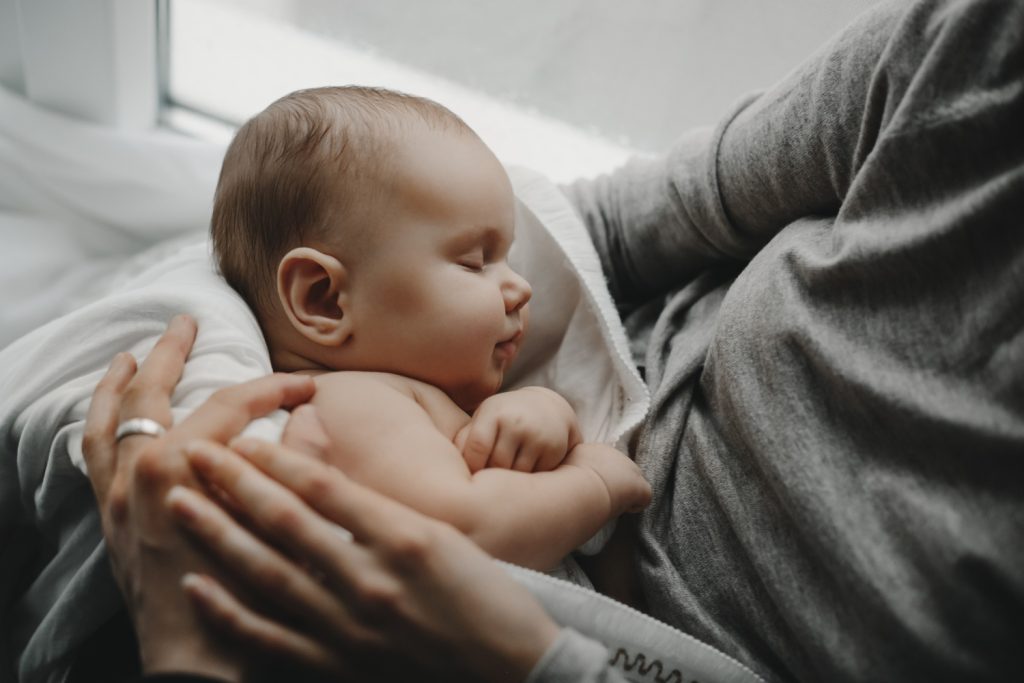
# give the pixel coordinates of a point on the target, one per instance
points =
(836, 441)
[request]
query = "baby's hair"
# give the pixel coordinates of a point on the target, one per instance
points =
(302, 169)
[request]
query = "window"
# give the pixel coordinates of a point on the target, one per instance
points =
(569, 87)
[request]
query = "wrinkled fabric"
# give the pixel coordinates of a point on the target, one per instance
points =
(148, 258)
(836, 439)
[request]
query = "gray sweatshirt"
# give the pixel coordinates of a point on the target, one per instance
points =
(827, 293)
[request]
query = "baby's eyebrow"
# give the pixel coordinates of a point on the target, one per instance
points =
(488, 234)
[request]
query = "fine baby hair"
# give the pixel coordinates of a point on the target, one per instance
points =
(307, 168)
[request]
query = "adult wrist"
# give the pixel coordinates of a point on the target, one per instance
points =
(187, 655)
(178, 677)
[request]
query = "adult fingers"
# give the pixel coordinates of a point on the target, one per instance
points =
(259, 566)
(98, 445)
(371, 518)
(229, 410)
(279, 513)
(149, 393)
(225, 612)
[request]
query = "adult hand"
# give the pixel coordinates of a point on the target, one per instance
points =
(130, 478)
(400, 593)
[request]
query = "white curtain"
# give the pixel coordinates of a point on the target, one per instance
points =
(76, 197)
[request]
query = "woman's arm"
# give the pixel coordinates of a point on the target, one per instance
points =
(400, 589)
(406, 595)
(720, 194)
(130, 477)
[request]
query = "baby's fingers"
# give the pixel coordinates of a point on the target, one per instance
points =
(550, 457)
(506, 447)
(527, 457)
(478, 441)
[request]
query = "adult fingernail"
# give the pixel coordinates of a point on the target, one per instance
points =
(195, 584)
(243, 445)
(299, 380)
(180, 503)
(200, 455)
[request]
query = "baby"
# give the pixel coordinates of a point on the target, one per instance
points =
(369, 231)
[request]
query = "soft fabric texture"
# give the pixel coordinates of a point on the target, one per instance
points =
(836, 438)
(61, 180)
(604, 640)
(50, 373)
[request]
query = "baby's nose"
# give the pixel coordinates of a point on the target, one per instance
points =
(517, 291)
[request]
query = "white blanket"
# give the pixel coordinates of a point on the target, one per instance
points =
(104, 237)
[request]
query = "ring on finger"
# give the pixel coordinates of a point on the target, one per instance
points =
(139, 426)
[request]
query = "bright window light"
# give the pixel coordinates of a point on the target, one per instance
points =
(231, 62)
(568, 87)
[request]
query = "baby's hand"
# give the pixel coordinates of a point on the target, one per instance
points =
(628, 491)
(529, 430)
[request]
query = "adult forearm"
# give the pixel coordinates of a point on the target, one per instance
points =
(718, 196)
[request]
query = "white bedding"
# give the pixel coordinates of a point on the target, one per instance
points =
(104, 237)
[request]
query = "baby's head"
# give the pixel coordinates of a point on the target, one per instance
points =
(369, 230)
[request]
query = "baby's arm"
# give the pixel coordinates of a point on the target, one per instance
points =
(381, 437)
(561, 508)
(530, 429)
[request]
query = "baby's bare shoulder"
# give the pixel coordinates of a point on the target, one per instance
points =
(357, 381)
(387, 394)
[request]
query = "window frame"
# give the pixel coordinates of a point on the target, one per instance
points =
(112, 44)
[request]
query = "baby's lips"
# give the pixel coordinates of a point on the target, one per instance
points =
(507, 349)
(510, 347)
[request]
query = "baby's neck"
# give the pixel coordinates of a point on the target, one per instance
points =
(285, 360)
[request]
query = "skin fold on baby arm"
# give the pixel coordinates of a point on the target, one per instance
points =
(397, 436)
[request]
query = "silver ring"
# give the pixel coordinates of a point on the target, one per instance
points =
(141, 426)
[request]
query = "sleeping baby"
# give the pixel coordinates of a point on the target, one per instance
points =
(369, 232)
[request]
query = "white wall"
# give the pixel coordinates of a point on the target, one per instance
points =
(635, 72)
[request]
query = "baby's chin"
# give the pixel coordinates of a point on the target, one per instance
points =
(469, 398)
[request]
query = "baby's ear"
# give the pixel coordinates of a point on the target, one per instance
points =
(313, 289)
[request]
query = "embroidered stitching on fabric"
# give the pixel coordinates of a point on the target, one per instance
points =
(643, 668)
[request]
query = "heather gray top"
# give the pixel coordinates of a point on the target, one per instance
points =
(836, 441)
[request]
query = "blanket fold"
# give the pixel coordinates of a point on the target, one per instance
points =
(126, 218)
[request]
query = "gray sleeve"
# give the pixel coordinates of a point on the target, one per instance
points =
(574, 659)
(843, 496)
(718, 196)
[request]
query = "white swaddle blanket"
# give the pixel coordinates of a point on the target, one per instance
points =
(115, 225)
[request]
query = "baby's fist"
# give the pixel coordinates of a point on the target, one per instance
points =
(528, 430)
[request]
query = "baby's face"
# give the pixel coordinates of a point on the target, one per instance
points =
(435, 298)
